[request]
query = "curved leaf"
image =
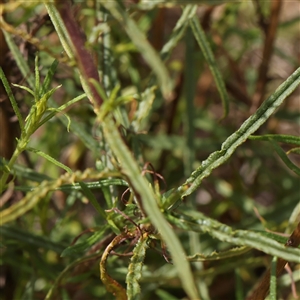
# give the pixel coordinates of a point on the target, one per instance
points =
(217, 158)
(142, 187)
(135, 269)
(200, 223)
(209, 57)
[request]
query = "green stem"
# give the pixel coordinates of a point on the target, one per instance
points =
(142, 187)
(22, 143)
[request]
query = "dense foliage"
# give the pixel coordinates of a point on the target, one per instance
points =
(150, 150)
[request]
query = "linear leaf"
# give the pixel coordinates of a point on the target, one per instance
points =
(49, 158)
(60, 109)
(209, 57)
(219, 255)
(87, 192)
(200, 223)
(149, 5)
(188, 12)
(60, 28)
(12, 99)
(96, 185)
(295, 150)
(144, 108)
(79, 248)
(285, 158)
(164, 295)
(13, 233)
(240, 136)
(21, 62)
(140, 41)
(282, 138)
(37, 78)
(79, 130)
(273, 279)
(148, 197)
(289, 139)
(25, 173)
(48, 79)
(135, 269)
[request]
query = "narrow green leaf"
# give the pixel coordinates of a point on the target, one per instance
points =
(37, 78)
(276, 237)
(190, 87)
(144, 108)
(135, 269)
(97, 185)
(294, 218)
(22, 236)
(26, 173)
(27, 89)
(273, 280)
(49, 158)
(239, 293)
(295, 150)
(219, 255)
(281, 138)
(142, 187)
(12, 99)
(199, 223)
(178, 32)
(21, 62)
(148, 96)
(140, 41)
(94, 185)
(99, 90)
(285, 158)
(240, 136)
(149, 5)
(209, 57)
(60, 109)
(188, 12)
(80, 248)
(87, 192)
(60, 28)
(110, 78)
(79, 130)
(163, 295)
(48, 79)
(166, 272)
